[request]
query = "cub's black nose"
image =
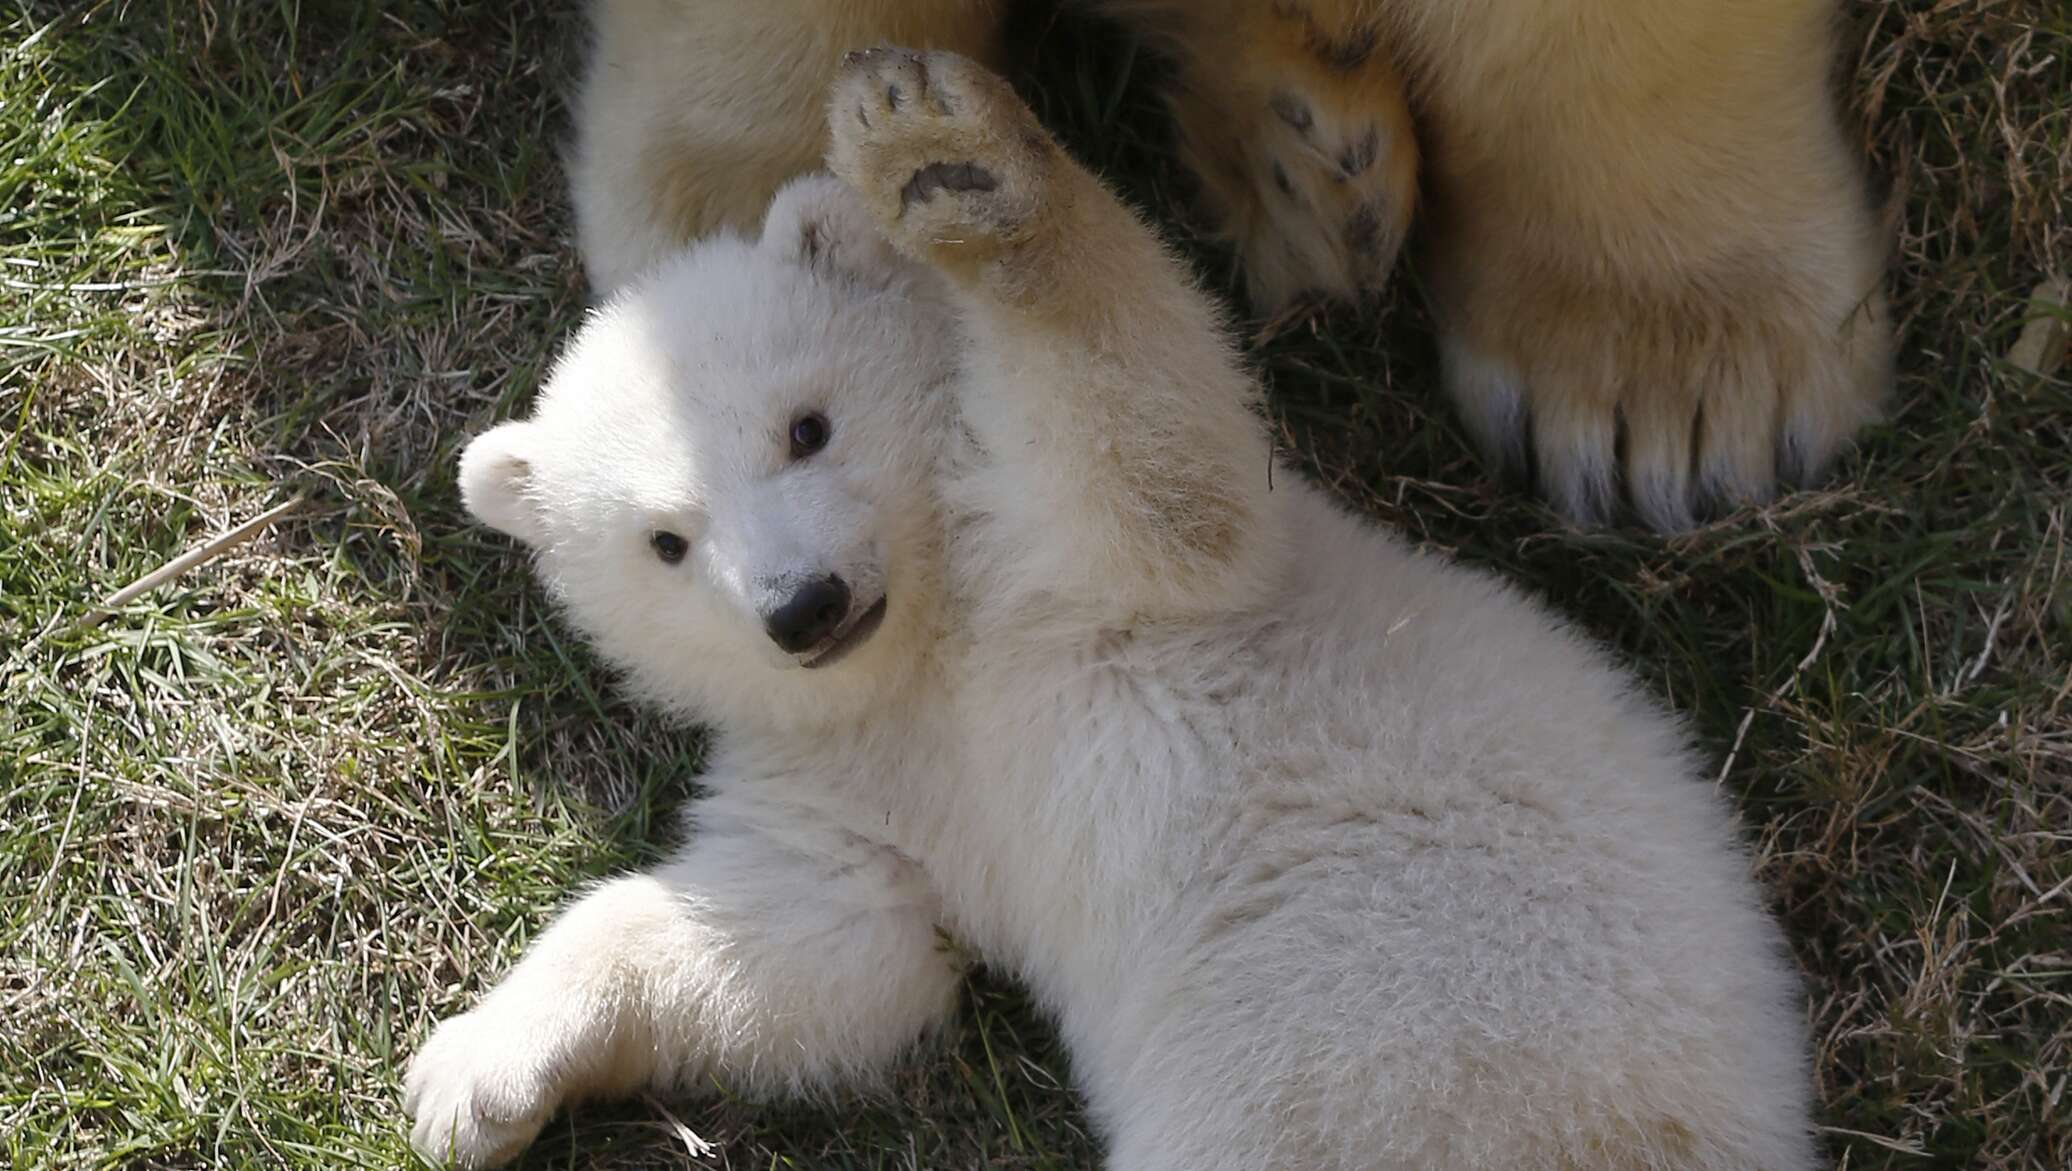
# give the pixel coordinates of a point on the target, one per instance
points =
(806, 619)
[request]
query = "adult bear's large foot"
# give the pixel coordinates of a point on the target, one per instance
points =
(1696, 390)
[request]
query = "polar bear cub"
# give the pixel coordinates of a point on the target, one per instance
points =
(1323, 854)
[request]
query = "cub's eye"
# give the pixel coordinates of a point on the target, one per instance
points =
(809, 434)
(669, 547)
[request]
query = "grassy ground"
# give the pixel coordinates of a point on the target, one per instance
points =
(263, 826)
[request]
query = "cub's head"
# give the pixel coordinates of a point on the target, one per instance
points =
(727, 477)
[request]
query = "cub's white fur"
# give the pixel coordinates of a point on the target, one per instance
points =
(1324, 854)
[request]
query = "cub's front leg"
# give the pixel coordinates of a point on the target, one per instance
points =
(776, 953)
(1121, 467)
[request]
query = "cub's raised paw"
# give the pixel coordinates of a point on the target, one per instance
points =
(951, 162)
(477, 1093)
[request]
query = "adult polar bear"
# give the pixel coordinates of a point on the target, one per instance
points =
(1652, 258)
(1325, 856)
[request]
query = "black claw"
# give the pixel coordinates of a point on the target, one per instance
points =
(1363, 231)
(1292, 110)
(892, 97)
(1360, 155)
(1280, 178)
(1351, 52)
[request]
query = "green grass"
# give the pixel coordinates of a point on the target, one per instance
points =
(263, 826)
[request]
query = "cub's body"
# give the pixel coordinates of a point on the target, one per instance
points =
(1324, 854)
(1390, 871)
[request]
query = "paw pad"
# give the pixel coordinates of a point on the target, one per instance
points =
(945, 177)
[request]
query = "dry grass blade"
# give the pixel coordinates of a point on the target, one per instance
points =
(201, 554)
(2046, 335)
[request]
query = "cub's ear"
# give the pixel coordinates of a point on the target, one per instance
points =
(496, 480)
(817, 221)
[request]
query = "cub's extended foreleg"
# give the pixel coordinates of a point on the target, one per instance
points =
(1125, 467)
(773, 954)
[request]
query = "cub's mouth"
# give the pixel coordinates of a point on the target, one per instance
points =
(848, 638)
